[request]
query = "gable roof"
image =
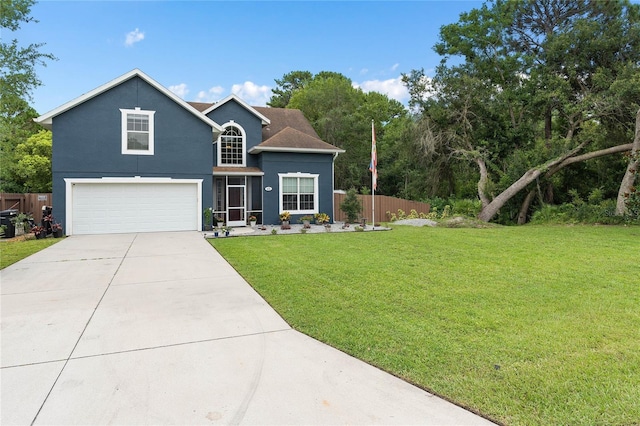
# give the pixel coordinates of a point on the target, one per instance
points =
(290, 131)
(294, 140)
(46, 120)
(232, 97)
(285, 117)
(287, 130)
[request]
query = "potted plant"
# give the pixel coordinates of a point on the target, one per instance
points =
(306, 221)
(39, 232)
(19, 222)
(227, 230)
(285, 217)
(322, 218)
(56, 228)
(208, 215)
(252, 221)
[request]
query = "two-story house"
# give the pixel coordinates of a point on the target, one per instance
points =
(131, 156)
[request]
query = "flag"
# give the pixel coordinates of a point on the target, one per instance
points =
(373, 166)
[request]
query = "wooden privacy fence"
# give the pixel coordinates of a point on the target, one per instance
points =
(384, 204)
(26, 203)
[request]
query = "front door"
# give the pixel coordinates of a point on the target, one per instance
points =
(236, 205)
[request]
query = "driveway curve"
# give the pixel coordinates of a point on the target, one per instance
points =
(159, 329)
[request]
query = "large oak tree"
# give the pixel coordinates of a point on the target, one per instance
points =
(526, 88)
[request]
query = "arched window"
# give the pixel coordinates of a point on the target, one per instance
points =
(231, 146)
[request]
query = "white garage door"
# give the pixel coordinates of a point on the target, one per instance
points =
(106, 208)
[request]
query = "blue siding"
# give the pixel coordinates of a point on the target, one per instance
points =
(87, 141)
(251, 124)
(274, 163)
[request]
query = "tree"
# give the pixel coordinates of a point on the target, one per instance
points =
(32, 167)
(351, 206)
(287, 86)
(18, 64)
(627, 184)
(18, 78)
(540, 83)
(341, 115)
(13, 131)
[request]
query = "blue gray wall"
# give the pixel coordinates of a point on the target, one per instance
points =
(251, 124)
(87, 141)
(274, 163)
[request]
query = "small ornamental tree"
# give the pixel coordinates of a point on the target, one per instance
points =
(351, 206)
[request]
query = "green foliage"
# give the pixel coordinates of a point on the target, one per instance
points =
(287, 86)
(520, 84)
(465, 207)
(527, 325)
(17, 80)
(17, 70)
(15, 128)
(31, 168)
(208, 215)
(578, 211)
(341, 115)
(351, 206)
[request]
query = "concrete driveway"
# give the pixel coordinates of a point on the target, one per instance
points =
(159, 329)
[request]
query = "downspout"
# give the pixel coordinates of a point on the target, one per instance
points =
(333, 185)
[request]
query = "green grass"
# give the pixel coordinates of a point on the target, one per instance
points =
(525, 325)
(17, 249)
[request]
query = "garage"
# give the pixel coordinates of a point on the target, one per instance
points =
(120, 205)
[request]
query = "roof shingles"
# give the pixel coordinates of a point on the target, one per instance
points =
(289, 129)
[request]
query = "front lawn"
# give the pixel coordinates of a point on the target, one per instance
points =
(526, 325)
(18, 248)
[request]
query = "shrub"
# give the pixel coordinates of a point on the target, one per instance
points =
(579, 211)
(466, 207)
(351, 206)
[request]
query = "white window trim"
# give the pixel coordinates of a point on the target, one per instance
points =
(244, 145)
(137, 110)
(315, 191)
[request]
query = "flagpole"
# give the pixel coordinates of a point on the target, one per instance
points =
(374, 172)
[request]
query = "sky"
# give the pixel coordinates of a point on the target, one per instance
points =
(205, 50)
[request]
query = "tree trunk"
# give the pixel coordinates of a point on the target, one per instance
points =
(487, 213)
(482, 183)
(524, 209)
(630, 174)
(588, 156)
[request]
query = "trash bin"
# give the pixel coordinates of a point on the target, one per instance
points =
(5, 219)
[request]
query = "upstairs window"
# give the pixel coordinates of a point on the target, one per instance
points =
(137, 132)
(231, 147)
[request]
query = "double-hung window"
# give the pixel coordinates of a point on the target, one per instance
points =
(299, 193)
(137, 132)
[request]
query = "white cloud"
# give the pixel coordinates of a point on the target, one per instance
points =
(395, 67)
(211, 95)
(393, 88)
(180, 90)
(363, 71)
(133, 37)
(252, 93)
